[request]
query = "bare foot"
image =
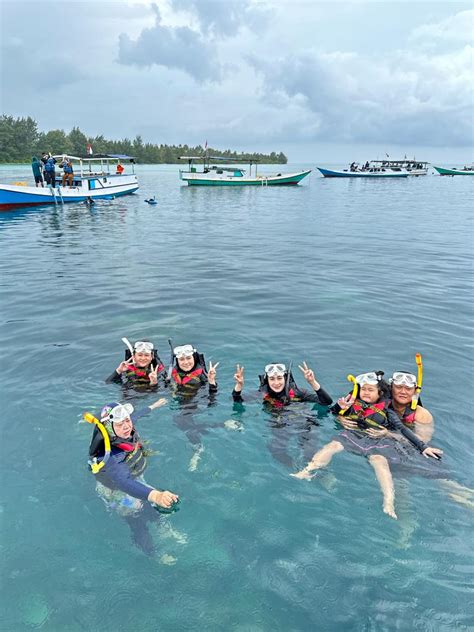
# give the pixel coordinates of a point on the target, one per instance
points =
(389, 509)
(303, 474)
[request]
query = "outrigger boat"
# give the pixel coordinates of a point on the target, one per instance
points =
(369, 170)
(217, 175)
(95, 177)
(465, 171)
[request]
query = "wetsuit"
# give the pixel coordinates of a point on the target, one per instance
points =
(138, 378)
(120, 481)
(372, 416)
(287, 422)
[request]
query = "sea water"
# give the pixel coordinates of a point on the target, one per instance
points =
(347, 275)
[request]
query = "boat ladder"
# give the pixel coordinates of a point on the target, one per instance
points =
(264, 181)
(53, 193)
(60, 195)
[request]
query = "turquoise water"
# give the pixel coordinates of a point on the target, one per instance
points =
(347, 275)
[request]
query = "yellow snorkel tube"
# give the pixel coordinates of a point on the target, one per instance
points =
(355, 389)
(94, 465)
(419, 381)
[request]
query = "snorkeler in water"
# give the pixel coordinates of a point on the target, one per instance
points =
(368, 407)
(188, 376)
(141, 369)
(118, 459)
(280, 395)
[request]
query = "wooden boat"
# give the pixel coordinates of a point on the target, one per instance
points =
(369, 170)
(217, 175)
(465, 171)
(414, 167)
(95, 177)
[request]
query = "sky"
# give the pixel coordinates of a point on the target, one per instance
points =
(321, 81)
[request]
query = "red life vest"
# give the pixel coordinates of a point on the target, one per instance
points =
(279, 403)
(141, 376)
(407, 416)
(193, 376)
(371, 414)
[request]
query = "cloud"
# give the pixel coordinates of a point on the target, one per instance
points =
(224, 18)
(172, 47)
(401, 97)
(458, 28)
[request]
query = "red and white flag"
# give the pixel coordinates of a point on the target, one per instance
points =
(89, 149)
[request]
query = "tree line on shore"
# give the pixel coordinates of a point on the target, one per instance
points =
(20, 139)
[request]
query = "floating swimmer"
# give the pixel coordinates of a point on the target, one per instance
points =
(280, 391)
(142, 368)
(117, 458)
(151, 201)
(368, 407)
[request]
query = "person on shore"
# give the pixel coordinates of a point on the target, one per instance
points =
(142, 368)
(368, 407)
(280, 395)
(68, 175)
(37, 167)
(119, 468)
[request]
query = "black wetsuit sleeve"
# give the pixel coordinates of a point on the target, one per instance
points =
(138, 414)
(116, 475)
(318, 397)
(395, 423)
(115, 378)
(237, 396)
(212, 388)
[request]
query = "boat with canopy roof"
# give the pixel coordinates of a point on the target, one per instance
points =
(98, 177)
(228, 175)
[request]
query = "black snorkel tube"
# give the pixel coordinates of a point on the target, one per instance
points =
(287, 383)
(170, 370)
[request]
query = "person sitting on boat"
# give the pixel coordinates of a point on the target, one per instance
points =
(353, 166)
(366, 166)
(68, 175)
(120, 169)
(141, 368)
(118, 459)
(368, 407)
(50, 171)
(279, 388)
(37, 167)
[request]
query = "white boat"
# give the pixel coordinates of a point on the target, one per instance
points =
(369, 170)
(217, 175)
(97, 177)
(413, 167)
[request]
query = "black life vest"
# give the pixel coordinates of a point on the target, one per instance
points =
(368, 415)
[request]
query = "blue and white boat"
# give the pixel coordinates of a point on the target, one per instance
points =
(371, 170)
(97, 177)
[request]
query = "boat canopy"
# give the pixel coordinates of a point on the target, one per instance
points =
(86, 162)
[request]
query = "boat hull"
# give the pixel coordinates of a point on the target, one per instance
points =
(108, 187)
(454, 172)
(330, 173)
(201, 179)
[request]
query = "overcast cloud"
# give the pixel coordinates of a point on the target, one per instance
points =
(298, 76)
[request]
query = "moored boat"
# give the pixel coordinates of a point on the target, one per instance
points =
(465, 171)
(369, 170)
(217, 175)
(413, 167)
(101, 176)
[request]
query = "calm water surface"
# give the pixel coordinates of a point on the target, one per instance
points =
(347, 275)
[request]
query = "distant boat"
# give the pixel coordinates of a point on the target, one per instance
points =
(217, 175)
(414, 167)
(370, 170)
(95, 177)
(465, 171)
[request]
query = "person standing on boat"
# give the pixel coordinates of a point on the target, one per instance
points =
(37, 168)
(68, 175)
(120, 169)
(50, 171)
